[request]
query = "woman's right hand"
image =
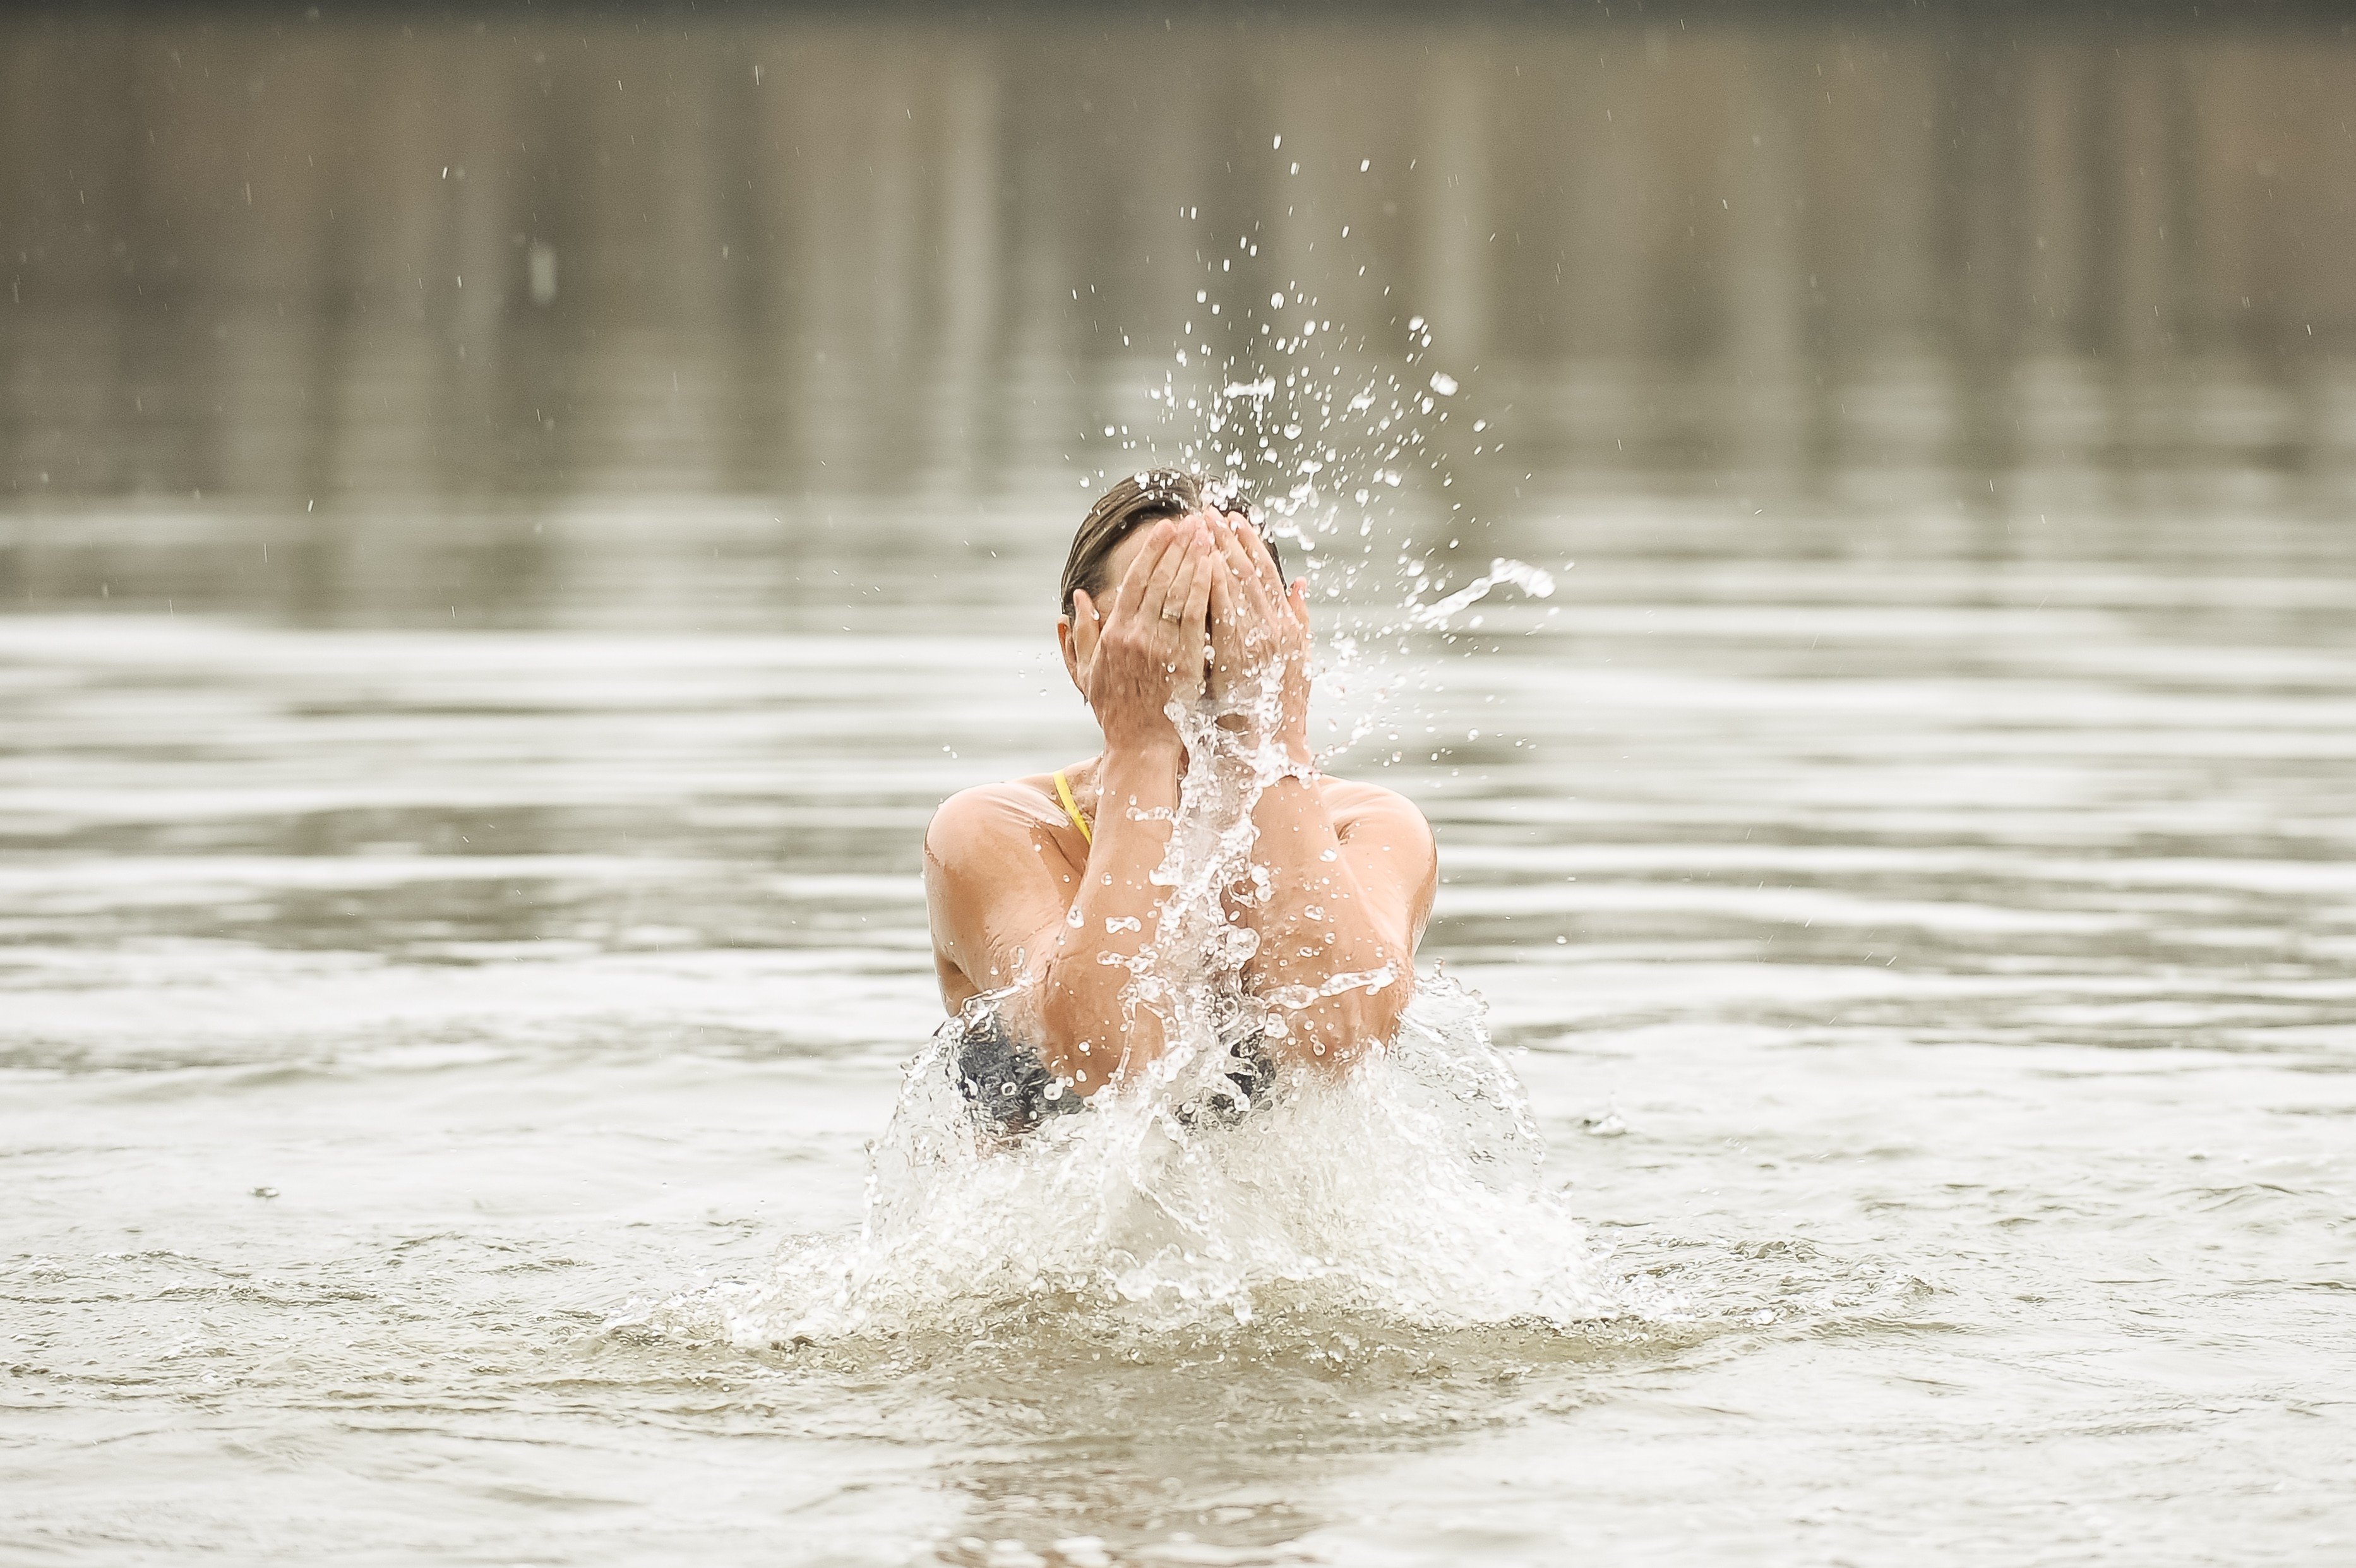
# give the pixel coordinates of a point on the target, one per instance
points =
(1149, 645)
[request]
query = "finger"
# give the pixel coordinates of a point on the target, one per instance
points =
(1231, 542)
(1170, 554)
(1168, 550)
(1193, 630)
(1248, 590)
(1300, 598)
(1182, 612)
(1172, 607)
(1212, 573)
(1223, 595)
(1139, 576)
(1256, 563)
(1262, 560)
(1208, 570)
(1265, 558)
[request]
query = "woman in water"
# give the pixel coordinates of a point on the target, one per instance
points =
(1044, 884)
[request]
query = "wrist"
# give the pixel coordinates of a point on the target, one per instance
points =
(1152, 751)
(1289, 735)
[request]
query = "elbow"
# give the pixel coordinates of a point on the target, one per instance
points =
(1396, 960)
(1380, 1009)
(1061, 1028)
(1083, 1043)
(1365, 1017)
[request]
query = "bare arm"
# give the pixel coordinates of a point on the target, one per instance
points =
(1342, 911)
(1077, 946)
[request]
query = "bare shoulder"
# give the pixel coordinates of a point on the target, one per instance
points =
(1389, 844)
(989, 820)
(995, 876)
(1355, 806)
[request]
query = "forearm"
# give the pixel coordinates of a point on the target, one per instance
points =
(1085, 1035)
(1315, 927)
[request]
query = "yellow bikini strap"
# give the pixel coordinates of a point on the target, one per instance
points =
(1064, 793)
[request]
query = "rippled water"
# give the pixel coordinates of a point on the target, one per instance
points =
(1934, 970)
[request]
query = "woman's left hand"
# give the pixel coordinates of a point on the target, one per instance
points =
(1259, 635)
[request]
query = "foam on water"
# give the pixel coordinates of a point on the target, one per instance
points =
(1407, 1186)
(1408, 1189)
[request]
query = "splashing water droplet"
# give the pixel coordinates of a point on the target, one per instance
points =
(1239, 1171)
(1532, 580)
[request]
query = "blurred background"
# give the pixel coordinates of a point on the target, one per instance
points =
(535, 315)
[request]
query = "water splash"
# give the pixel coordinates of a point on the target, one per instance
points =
(1228, 1181)
(1407, 1191)
(1349, 439)
(1531, 580)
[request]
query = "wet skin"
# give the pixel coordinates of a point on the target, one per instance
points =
(1352, 868)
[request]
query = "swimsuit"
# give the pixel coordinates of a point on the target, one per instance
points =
(1064, 793)
(1012, 1089)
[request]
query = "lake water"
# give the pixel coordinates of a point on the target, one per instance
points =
(459, 826)
(1943, 979)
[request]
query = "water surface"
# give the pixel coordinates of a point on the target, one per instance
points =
(1943, 978)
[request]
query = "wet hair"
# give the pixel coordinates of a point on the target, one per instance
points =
(1129, 506)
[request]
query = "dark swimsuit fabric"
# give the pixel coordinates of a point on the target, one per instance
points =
(1003, 1079)
(1009, 1088)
